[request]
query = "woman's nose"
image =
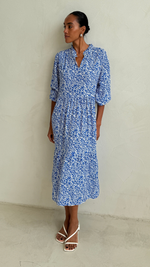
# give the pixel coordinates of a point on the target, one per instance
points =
(65, 30)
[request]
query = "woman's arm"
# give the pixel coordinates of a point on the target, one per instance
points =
(52, 108)
(50, 131)
(100, 110)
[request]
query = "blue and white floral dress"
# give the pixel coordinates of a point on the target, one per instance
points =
(75, 91)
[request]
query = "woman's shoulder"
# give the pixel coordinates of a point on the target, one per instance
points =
(102, 54)
(63, 53)
(99, 50)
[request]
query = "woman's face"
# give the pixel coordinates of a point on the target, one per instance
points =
(72, 29)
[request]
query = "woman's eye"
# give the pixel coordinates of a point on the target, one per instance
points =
(68, 27)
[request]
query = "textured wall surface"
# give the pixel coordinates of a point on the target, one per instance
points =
(31, 35)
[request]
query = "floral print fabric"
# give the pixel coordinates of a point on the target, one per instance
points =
(75, 91)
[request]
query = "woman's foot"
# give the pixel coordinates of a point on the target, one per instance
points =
(60, 237)
(73, 225)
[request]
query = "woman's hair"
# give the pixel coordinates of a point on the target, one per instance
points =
(81, 19)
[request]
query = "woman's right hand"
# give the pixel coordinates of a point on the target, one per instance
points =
(50, 134)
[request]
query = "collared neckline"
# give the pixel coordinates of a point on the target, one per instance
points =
(85, 53)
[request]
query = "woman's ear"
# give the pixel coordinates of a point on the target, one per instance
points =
(83, 29)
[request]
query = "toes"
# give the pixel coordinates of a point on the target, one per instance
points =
(70, 247)
(59, 237)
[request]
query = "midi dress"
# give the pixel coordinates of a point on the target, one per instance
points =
(76, 89)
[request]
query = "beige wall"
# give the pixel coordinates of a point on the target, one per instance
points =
(31, 35)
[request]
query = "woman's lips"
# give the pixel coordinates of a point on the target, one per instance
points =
(66, 36)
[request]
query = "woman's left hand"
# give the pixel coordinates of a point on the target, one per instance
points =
(97, 131)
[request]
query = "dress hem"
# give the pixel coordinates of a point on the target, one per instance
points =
(78, 203)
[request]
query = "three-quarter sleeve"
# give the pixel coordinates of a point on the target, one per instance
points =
(103, 90)
(55, 79)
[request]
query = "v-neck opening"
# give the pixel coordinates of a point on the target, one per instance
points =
(85, 54)
(80, 63)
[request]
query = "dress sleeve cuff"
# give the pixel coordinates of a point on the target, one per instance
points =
(53, 95)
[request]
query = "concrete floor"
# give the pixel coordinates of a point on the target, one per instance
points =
(27, 239)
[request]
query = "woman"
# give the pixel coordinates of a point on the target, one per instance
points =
(81, 77)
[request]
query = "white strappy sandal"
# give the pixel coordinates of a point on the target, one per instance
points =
(62, 235)
(72, 242)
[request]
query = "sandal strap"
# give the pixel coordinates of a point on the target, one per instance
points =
(61, 234)
(65, 229)
(71, 243)
(72, 234)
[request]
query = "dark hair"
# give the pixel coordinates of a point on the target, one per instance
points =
(82, 20)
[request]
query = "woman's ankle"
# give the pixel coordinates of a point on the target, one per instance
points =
(73, 221)
(67, 219)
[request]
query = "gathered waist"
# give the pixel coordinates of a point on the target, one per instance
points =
(81, 95)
